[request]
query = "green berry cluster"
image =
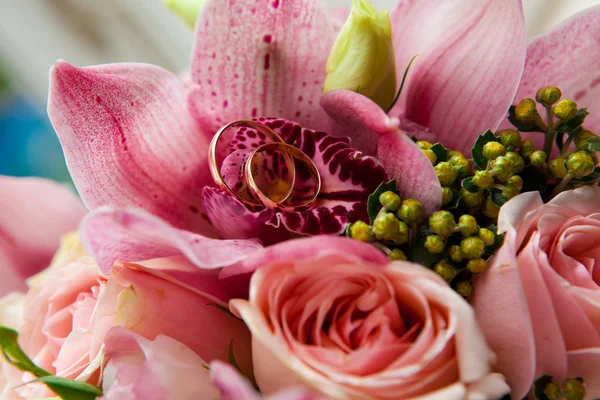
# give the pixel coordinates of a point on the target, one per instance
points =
(391, 228)
(571, 389)
(462, 247)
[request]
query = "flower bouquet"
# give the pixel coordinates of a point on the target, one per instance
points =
(347, 205)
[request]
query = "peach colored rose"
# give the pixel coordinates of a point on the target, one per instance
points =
(70, 308)
(324, 317)
(539, 301)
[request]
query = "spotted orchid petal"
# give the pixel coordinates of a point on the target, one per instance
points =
(129, 140)
(470, 55)
(34, 214)
(132, 235)
(567, 57)
(347, 179)
(254, 59)
(372, 130)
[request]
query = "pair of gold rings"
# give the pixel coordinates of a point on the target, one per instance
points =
(291, 154)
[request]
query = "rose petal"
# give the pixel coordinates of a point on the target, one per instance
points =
(129, 140)
(469, 61)
(230, 383)
(130, 235)
(259, 59)
(373, 132)
(551, 58)
(34, 213)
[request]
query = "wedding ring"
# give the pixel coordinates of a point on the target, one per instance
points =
(216, 173)
(295, 153)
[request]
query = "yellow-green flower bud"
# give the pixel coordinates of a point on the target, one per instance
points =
(446, 195)
(386, 226)
(361, 231)
(510, 138)
(464, 288)
(187, 10)
(538, 158)
(471, 200)
(515, 180)
(442, 223)
(424, 145)
(574, 389)
(467, 224)
(453, 153)
(455, 253)
(477, 265)
(548, 95)
(526, 110)
(487, 237)
(472, 247)
(565, 109)
(434, 244)
(492, 150)
(502, 168)
(527, 148)
(397, 255)
(362, 56)
(490, 210)
(402, 236)
(483, 179)
(581, 141)
(390, 200)
(558, 168)
(517, 160)
(431, 156)
(445, 173)
(461, 165)
(411, 211)
(580, 164)
(444, 269)
(552, 391)
(510, 191)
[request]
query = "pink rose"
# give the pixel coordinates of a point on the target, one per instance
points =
(71, 307)
(331, 314)
(165, 369)
(539, 301)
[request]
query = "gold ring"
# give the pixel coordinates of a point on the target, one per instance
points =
(297, 154)
(216, 173)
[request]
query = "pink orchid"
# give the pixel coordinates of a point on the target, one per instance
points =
(34, 213)
(135, 136)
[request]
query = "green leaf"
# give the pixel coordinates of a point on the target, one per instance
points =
(499, 240)
(69, 389)
(559, 140)
(534, 180)
(401, 83)
(522, 126)
(418, 253)
(594, 143)
(373, 204)
(440, 151)
(574, 123)
(496, 197)
(468, 184)
(539, 385)
(594, 176)
(15, 355)
(456, 196)
(477, 150)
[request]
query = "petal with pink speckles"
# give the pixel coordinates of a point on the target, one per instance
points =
(129, 140)
(260, 59)
(470, 55)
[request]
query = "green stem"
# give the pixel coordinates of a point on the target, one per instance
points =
(561, 185)
(549, 131)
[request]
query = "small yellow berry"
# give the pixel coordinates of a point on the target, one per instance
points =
(386, 226)
(492, 150)
(580, 164)
(467, 225)
(430, 155)
(390, 200)
(515, 180)
(477, 265)
(502, 168)
(471, 200)
(487, 237)
(548, 95)
(442, 223)
(517, 161)
(527, 148)
(411, 211)
(461, 165)
(490, 210)
(464, 288)
(538, 158)
(455, 153)
(472, 247)
(397, 255)
(445, 173)
(552, 391)
(444, 269)
(446, 195)
(581, 141)
(565, 109)
(558, 168)
(526, 110)
(483, 179)
(424, 145)
(574, 389)
(361, 231)
(455, 253)
(510, 138)
(510, 191)
(434, 244)
(402, 236)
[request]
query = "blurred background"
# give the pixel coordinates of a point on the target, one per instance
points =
(35, 33)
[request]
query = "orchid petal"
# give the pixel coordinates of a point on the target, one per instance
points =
(129, 141)
(470, 57)
(259, 59)
(34, 214)
(374, 132)
(567, 57)
(130, 235)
